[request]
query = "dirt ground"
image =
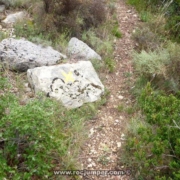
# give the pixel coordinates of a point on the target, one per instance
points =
(107, 133)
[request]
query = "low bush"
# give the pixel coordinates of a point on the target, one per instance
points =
(168, 9)
(39, 136)
(161, 67)
(74, 15)
(146, 39)
(116, 32)
(152, 149)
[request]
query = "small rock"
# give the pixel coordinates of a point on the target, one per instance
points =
(116, 120)
(26, 85)
(118, 144)
(90, 166)
(120, 117)
(129, 11)
(120, 97)
(28, 89)
(89, 159)
(91, 132)
(93, 151)
(93, 164)
(122, 137)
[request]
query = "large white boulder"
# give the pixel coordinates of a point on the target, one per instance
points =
(21, 54)
(81, 51)
(72, 84)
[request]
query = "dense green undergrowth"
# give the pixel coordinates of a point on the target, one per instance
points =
(154, 138)
(152, 148)
(39, 136)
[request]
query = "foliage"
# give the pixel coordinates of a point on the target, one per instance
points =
(2, 35)
(169, 9)
(146, 39)
(153, 145)
(39, 136)
(103, 44)
(75, 15)
(29, 30)
(116, 32)
(161, 67)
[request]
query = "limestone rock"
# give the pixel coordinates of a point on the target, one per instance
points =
(13, 18)
(21, 54)
(81, 51)
(72, 84)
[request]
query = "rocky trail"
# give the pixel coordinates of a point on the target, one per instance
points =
(107, 132)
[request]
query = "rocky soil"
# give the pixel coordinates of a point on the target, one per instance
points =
(107, 133)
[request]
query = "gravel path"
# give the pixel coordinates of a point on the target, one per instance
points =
(107, 132)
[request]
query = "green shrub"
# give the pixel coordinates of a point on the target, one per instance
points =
(39, 136)
(168, 9)
(116, 32)
(161, 67)
(153, 147)
(146, 39)
(145, 16)
(3, 35)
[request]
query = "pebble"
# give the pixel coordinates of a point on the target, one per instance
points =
(122, 137)
(93, 151)
(89, 159)
(93, 164)
(25, 84)
(120, 117)
(91, 132)
(118, 144)
(90, 166)
(28, 89)
(120, 97)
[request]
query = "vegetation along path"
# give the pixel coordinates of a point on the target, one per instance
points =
(107, 131)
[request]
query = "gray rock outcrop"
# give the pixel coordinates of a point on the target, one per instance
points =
(81, 51)
(21, 55)
(72, 84)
